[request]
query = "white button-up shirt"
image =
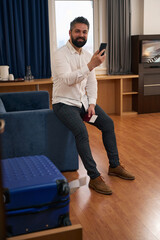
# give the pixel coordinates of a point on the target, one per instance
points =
(73, 83)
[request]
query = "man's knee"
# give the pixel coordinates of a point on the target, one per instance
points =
(108, 124)
(81, 134)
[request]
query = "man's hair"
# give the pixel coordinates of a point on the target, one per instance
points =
(79, 20)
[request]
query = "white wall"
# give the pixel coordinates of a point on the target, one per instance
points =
(151, 17)
(145, 17)
(137, 17)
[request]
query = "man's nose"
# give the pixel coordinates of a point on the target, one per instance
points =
(81, 34)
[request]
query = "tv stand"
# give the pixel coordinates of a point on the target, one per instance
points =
(154, 67)
(149, 76)
(151, 65)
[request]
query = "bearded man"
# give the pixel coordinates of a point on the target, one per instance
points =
(74, 97)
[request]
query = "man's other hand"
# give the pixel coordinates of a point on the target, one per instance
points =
(91, 110)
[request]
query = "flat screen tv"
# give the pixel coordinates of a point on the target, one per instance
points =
(150, 51)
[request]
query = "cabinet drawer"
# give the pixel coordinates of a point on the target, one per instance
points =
(152, 90)
(151, 79)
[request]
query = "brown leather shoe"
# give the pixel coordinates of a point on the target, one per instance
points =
(121, 172)
(100, 186)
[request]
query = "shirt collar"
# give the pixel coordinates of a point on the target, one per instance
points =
(72, 49)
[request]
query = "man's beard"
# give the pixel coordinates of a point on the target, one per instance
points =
(77, 43)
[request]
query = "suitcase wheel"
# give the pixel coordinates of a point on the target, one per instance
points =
(64, 220)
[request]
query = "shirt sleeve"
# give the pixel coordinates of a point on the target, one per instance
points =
(91, 88)
(63, 71)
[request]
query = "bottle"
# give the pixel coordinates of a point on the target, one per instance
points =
(29, 75)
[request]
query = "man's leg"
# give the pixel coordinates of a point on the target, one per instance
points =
(106, 125)
(71, 117)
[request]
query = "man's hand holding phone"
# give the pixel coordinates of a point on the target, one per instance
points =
(98, 57)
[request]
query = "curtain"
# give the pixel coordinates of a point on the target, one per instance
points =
(24, 37)
(119, 36)
(52, 30)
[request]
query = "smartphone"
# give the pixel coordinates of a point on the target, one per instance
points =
(91, 119)
(102, 46)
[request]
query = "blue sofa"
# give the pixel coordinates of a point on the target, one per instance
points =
(32, 128)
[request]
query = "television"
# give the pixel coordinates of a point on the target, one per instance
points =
(150, 51)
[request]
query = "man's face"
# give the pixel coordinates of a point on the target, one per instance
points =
(79, 34)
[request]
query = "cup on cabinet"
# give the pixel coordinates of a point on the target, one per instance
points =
(11, 77)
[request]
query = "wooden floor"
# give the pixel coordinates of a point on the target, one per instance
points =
(132, 212)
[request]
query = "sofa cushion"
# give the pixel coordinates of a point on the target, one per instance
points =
(2, 108)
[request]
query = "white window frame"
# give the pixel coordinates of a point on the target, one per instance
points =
(99, 28)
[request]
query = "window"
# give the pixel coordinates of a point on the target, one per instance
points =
(65, 12)
(61, 13)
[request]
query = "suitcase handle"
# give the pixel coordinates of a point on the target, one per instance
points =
(63, 187)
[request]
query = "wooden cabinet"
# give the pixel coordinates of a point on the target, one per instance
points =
(118, 94)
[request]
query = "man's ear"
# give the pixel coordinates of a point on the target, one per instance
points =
(69, 32)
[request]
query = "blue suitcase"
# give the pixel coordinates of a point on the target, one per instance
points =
(36, 195)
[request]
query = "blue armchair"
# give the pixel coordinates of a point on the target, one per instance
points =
(32, 128)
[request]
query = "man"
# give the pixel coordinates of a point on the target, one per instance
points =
(75, 94)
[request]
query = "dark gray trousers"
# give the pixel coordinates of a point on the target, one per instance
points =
(72, 117)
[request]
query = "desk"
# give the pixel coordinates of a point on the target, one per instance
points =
(32, 85)
(118, 94)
